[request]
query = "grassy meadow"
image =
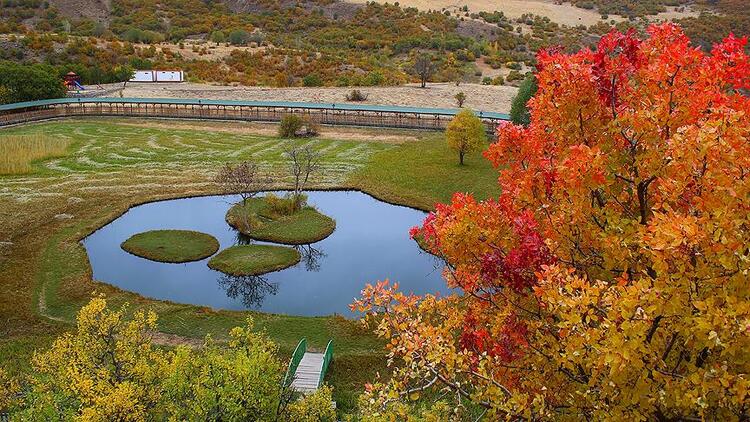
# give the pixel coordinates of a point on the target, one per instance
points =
(110, 165)
(18, 153)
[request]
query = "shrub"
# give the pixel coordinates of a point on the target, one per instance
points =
(514, 75)
(460, 99)
(285, 205)
(519, 110)
(312, 80)
(107, 368)
(218, 37)
(239, 37)
(290, 124)
(375, 79)
(315, 407)
(356, 95)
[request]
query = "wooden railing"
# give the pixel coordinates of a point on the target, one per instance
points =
(294, 361)
(327, 358)
(333, 114)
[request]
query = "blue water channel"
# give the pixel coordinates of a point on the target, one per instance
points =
(371, 243)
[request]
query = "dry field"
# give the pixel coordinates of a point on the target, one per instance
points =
(478, 97)
(563, 14)
(201, 50)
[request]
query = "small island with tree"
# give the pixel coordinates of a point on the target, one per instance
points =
(283, 219)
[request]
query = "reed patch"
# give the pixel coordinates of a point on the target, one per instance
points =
(18, 152)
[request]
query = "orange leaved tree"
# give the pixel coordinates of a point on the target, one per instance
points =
(610, 278)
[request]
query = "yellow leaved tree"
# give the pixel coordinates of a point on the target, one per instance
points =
(108, 369)
(465, 134)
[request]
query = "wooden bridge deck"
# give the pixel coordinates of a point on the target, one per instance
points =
(307, 376)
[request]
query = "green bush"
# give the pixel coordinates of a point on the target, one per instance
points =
(312, 80)
(239, 37)
(218, 37)
(514, 75)
(519, 110)
(290, 124)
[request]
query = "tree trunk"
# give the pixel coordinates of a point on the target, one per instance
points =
(461, 157)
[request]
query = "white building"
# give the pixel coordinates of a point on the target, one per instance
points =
(158, 76)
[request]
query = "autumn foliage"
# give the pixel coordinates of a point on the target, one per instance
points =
(609, 280)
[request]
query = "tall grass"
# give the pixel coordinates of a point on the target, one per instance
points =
(18, 152)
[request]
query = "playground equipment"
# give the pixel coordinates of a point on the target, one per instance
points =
(73, 82)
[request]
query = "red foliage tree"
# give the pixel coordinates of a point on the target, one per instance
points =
(609, 280)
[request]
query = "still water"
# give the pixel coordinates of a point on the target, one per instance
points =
(371, 243)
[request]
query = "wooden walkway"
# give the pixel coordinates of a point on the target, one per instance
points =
(307, 370)
(307, 376)
(254, 111)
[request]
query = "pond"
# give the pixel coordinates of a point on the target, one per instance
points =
(371, 243)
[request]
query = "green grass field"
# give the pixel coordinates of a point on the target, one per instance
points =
(111, 165)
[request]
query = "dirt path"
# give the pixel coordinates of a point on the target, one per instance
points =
(478, 97)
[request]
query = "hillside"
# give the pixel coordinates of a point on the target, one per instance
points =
(313, 43)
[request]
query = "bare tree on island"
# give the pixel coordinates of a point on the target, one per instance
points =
(304, 161)
(424, 68)
(244, 179)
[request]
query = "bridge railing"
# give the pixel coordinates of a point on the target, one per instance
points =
(327, 358)
(294, 361)
(377, 116)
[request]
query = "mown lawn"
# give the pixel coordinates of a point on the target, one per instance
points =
(419, 174)
(110, 165)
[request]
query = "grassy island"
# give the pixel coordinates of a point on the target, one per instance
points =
(173, 246)
(246, 260)
(274, 219)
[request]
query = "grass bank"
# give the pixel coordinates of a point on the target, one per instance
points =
(422, 173)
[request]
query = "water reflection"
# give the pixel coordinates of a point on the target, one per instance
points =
(311, 257)
(251, 290)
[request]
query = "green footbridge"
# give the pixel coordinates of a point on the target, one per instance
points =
(307, 370)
